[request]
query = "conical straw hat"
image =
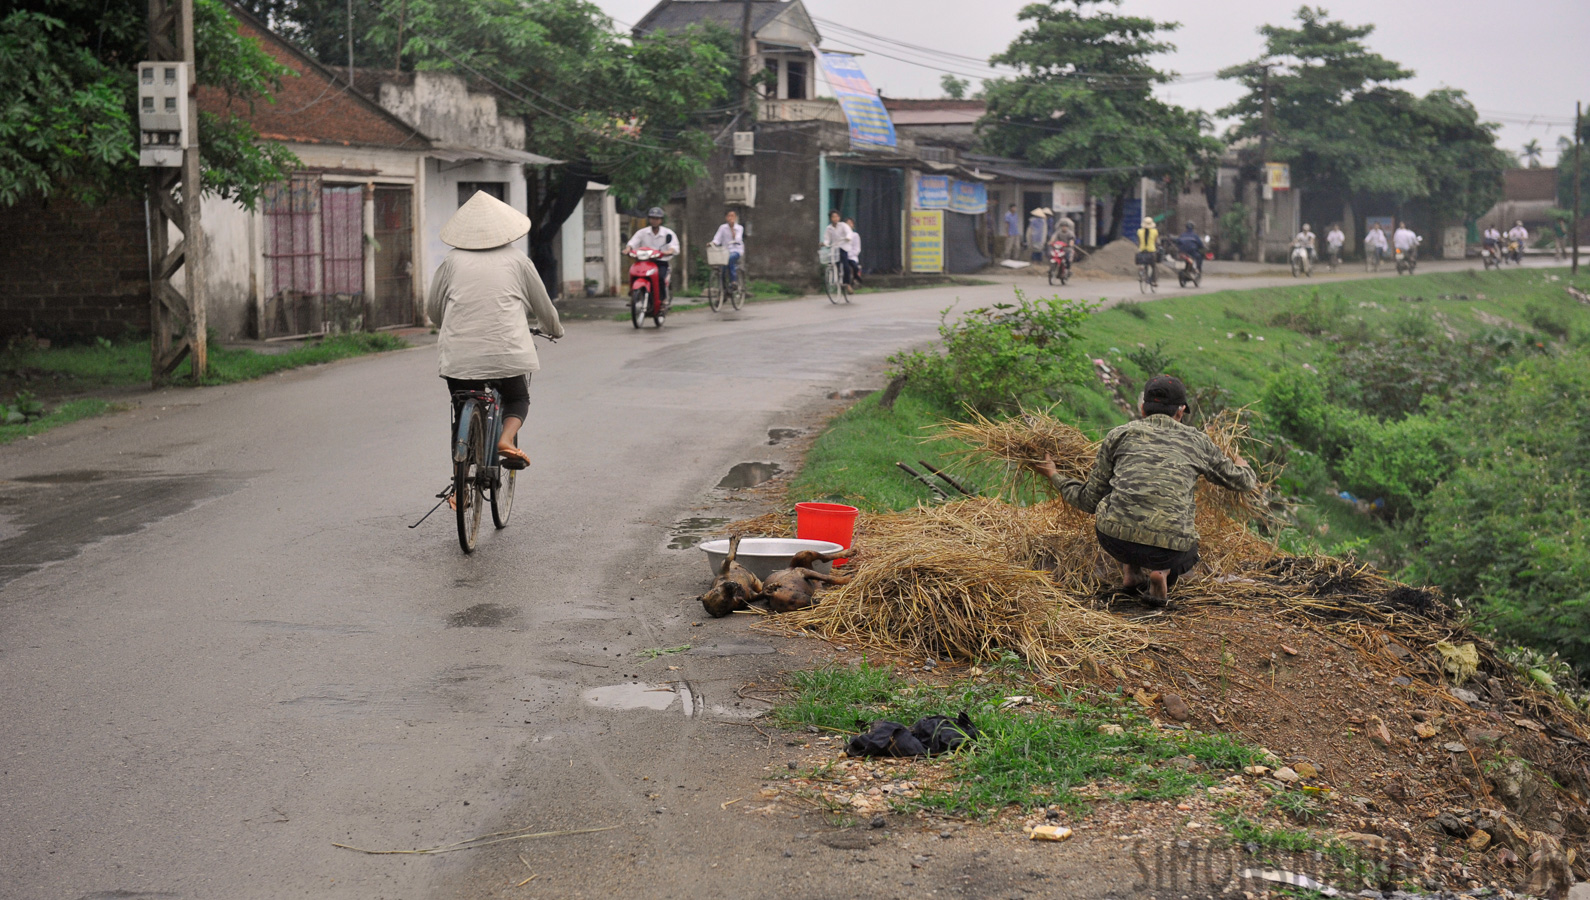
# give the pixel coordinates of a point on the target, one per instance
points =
(484, 222)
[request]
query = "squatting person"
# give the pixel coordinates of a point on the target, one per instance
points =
(482, 298)
(1140, 491)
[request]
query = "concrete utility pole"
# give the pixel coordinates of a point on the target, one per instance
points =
(1264, 166)
(176, 322)
(1578, 131)
(746, 52)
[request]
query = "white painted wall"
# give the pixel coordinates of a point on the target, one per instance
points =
(440, 105)
(571, 252)
(229, 266)
(441, 201)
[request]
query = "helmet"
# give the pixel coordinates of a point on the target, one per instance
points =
(656, 212)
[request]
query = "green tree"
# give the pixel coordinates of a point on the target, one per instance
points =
(1083, 99)
(1344, 128)
(67, 119)
(954, 88)
(1532, 152)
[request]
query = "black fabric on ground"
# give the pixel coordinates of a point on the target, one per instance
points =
(941, 734)
(885, 738)
(1149, 557)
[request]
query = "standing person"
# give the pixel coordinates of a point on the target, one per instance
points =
(1038, 233)
(836, 237)
(731, 235)
(853, 250)
(1141, 489)
(655, 236)
(1334, 240)
(481, 299)
(1012, 233)
(1375, 242)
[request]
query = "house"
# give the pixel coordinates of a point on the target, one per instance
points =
(1526, 194)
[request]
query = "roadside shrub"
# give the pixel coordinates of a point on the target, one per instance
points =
(1392, 377)
(994, 357)
(1313, 316)
(1401, 461)
(1152, 360)
(1548, 318)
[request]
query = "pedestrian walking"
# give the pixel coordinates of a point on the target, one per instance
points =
(1012, 234)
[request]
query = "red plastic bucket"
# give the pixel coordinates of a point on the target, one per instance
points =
(826, 522)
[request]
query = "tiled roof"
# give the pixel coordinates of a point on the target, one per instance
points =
(677, 15)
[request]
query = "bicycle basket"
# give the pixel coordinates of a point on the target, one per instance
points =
(825, 255)
(717, 256)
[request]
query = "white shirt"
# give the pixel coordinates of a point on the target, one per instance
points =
(1492, 234)
(1336, 238)
(837, 235)
(1304, 239)
(662, 239)
(854, 247)
(734, 238)
(1404, 239)
(1519, 233)
(1375, 238)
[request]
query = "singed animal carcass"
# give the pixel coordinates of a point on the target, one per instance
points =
(796, 587)
(733, 587)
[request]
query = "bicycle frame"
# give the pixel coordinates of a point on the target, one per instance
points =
(463, 410)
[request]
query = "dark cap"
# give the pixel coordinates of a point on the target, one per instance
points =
(1166, 390)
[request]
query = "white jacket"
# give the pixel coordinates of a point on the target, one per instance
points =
(481, 302)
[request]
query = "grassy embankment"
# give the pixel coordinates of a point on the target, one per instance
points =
(106, 365)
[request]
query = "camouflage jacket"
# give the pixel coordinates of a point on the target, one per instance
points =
(1141, 486)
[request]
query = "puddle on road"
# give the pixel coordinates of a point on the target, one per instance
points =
(776, 436)
(50, 517)
(748, 474)
(483, 615)
(687, 533)
(855, 394)
(645, 695)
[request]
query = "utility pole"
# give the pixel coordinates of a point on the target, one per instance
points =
(1578, 132)
(176, 322)
(1264, 166)
(746, 98)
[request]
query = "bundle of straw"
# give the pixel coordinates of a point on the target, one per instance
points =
(1013, 445)
(960, 580)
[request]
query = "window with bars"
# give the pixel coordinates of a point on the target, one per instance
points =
(314, 250)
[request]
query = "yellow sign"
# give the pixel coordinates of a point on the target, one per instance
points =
(1278, 176)
(927, 240)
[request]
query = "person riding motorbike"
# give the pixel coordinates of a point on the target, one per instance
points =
(661, 239)
(1191, 245)
(1404, 240)
(1063, 242)
(1518, 235)
(1306, 240)
(482, 298)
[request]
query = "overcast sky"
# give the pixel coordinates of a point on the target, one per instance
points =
(1515, 61)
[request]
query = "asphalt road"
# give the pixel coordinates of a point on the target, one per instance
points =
(222, 649)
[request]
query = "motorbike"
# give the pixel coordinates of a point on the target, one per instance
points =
(1406, 260)
(1490, 256)
(645, 287)
(1187, 269)
(1514, 251)
(1060, 261)
(1302, 264)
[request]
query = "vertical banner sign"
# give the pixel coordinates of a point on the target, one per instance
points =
(969, 197)
(932, 192)
(927, 240)
(869, 121)
(1278, 176)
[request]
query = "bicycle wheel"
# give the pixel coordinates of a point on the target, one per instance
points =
(1142, 279)
(639, 300)
(831, 281)
(502, 493)
(737, 289)
(845, 290)
(468, 497)
(715, 288)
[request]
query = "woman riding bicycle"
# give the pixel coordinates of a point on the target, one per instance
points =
(481, 299)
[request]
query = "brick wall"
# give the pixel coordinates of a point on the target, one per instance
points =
(70, 271)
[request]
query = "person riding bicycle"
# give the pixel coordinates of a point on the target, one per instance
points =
(853, 250)
(481, 299)
(1375, 242)
(1334, 240)
(1148, 247)
(731, 235)
(1191, 245)
(657, 237)
(1306, 240)
(836, 237)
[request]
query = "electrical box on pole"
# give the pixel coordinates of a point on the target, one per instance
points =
(745, 143)
(739, 189)
(164, 130)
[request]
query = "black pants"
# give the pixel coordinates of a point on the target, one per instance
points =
(662, 281)
(515, 393)
(1149, 557)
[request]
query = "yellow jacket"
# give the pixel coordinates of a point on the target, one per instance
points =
(1148, 238)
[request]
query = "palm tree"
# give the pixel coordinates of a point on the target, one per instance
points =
(1532, 153)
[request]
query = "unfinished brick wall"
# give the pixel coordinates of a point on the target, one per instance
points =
(68, 271)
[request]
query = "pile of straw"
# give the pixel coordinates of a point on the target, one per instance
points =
(971, 578)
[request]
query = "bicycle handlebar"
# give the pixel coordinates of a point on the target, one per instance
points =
(536, 332)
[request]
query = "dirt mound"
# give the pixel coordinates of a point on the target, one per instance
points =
(1117, 259)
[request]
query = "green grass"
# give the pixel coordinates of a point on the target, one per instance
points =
(853, 461)
(70, 411)
(1026, 757)
(106, 364)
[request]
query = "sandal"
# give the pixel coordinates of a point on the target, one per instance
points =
(512, 458)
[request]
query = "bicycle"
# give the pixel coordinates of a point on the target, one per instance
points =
(720, 286)
(833, 275)
(1147, 277)
(479, 477)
